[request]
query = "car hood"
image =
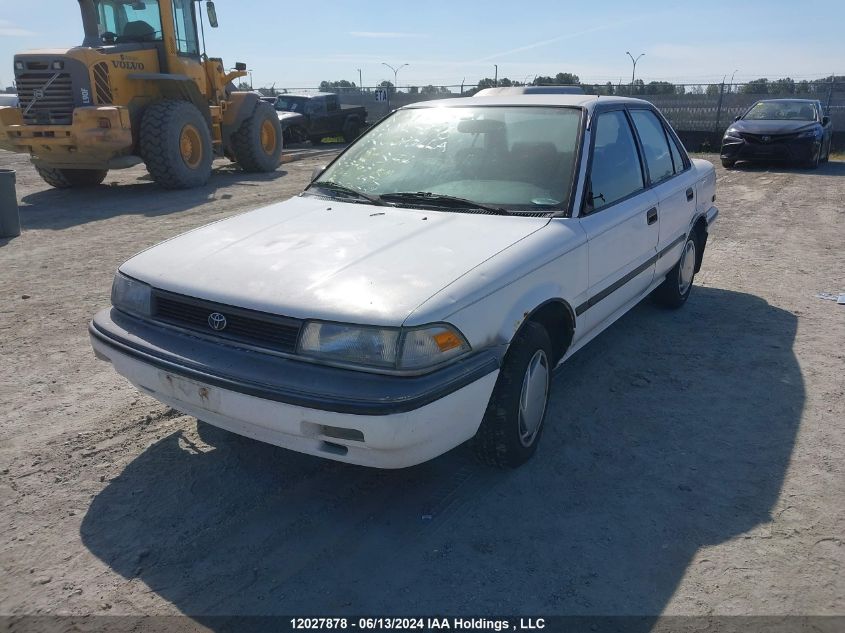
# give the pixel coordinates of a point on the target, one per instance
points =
(311, 257)
(772, 127)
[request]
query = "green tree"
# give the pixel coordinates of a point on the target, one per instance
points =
(782, 86)
(335, 86)
(659, 88)
(756, 87)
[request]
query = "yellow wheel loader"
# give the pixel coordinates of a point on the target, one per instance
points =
(139, 89)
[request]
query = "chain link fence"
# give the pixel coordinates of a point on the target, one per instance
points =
(700, 113)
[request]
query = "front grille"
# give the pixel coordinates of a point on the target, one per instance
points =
(261, 329)
(52, 105)
(102, 84)
(760, 139)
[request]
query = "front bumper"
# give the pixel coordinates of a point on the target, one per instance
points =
(86, 143)
(350, 416)
(793, 150)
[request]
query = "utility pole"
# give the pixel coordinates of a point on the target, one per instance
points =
(634, 71)
(360, 81)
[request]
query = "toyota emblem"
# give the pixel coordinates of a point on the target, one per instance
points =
(217, 321)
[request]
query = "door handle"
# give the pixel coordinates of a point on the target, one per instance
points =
(651, 215)
(690, 194)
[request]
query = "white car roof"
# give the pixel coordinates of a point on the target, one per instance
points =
(582, 101)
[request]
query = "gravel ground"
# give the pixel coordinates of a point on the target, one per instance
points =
(692, 461)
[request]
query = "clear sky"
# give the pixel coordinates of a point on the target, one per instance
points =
(296, 43)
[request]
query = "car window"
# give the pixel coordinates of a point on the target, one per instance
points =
(615, 172)
(677, 158)
(781, 111)
(332, 104)
(658, 156)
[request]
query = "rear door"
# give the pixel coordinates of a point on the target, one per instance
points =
(669, 174)
(619, 218)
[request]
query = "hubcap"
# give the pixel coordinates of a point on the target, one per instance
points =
(534, 396)
(687, 269)
(190, 146)
(268, 137)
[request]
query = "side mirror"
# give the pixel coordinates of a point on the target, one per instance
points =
(212, 14)
(825, 120)
(318, 171)
(737, 118)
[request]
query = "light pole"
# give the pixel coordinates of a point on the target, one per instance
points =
(732, 78)
(634, 71)
(360, 81)
(395, 80)
(496, 76)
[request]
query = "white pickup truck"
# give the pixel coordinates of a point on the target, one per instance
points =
(421, 290)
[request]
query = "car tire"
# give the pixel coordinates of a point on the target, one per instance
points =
(513, 422)
(316, 140)
(176, 144)
(813, 163)
(257, 145)
(71, 178)
(728, 164)
(676, 288)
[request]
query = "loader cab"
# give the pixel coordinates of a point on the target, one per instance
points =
(170, 26)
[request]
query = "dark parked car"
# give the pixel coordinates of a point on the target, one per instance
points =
(794, 130)
(316, 116)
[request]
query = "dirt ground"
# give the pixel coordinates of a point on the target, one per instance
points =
(692, 461)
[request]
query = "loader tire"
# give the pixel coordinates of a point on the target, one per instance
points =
(258, 142)
(68, 178)
(176, 145)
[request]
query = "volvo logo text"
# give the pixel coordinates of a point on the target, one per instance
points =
(217, 321)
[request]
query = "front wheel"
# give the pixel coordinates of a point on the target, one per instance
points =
(813, 163)
(257, 144)
(176, 144)
(513, 422)
(71, 178)
(728, 164)
(676, 288)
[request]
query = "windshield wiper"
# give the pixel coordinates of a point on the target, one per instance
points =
(441, 200)
(347, 191)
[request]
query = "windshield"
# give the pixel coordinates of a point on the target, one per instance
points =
(121, 21)
(291, 104)
(781, 111)
(516, 157)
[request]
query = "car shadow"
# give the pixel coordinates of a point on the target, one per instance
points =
(830, 168)
(670, 432)
(49, 209)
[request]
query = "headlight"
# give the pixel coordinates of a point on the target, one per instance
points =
(812, 133)
(350, 343)
(431, 345)
(385, 348)
(130, 295)
(732, 131)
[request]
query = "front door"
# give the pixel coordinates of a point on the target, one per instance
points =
(619, 219)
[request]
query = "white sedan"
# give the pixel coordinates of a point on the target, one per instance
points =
(422, 289)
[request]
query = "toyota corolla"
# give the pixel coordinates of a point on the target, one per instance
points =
(422, 289)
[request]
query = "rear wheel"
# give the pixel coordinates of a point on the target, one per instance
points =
(258, 142)
(676, 288)
(513, 422)
(176, 145)
(727, 164)
(351, 130)
(68, 178)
